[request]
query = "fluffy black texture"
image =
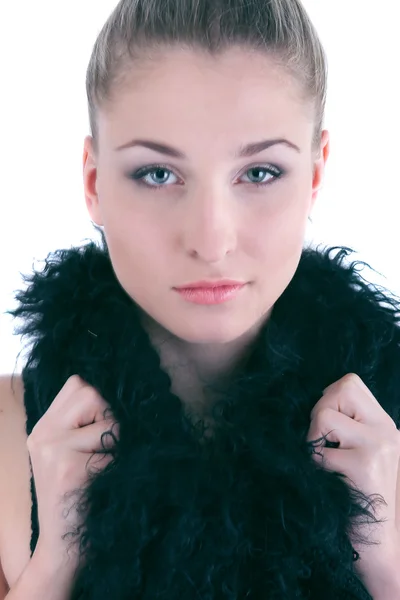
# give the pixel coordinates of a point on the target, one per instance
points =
(246, 514)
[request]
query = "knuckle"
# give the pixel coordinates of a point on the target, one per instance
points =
(92, 396)
(321, 415)
(350, 379)
(74, 382)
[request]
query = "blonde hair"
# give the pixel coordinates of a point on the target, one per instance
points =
(280, 28)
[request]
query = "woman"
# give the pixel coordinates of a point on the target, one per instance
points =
(225, 350)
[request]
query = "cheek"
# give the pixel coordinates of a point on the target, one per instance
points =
(136, 263)
(135, 245)
(137, 249)
(277, 232)
(128, 222)
(277, 261)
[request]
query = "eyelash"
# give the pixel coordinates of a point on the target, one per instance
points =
(139, 175)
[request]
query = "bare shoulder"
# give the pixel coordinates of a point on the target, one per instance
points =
(15, 500)
(11, 393)
(12, 418)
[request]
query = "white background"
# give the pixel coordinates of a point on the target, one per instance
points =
(45, 47)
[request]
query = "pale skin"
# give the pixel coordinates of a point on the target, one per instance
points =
(210, 220)
(205, 220)
(369, 455)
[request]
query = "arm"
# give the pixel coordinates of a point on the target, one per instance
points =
(390, 590)
(42, 579)
(383, 581)
(48, 575)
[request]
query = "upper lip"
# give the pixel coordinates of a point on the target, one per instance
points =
(207, 283)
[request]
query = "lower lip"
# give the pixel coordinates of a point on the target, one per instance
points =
(216, 295)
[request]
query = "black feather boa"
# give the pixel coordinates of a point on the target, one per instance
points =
(246, 514)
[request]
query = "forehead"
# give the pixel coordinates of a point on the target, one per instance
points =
(191, 90)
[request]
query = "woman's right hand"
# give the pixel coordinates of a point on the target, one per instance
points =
(61, 446)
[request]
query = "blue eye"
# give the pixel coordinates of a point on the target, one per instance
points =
(159, 176)
(270, 170)
(156, 172)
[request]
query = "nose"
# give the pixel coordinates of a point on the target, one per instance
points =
(209, 227)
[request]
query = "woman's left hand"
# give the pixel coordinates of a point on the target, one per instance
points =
(368, 453)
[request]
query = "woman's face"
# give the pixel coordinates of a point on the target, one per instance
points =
(204, 210)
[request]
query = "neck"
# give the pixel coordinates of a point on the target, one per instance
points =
(199, 373)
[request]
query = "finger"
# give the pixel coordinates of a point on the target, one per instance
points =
(73, 384)
(350, 400)
(83, 406)
(338, 460)
(353, 379)
(339, 428)
(91, 439)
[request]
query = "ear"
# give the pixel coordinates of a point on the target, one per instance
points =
(90, 180)
(319, 167)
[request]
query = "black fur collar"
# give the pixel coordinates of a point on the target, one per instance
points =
(248, 514)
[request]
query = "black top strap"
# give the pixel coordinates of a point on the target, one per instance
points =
(31, 420)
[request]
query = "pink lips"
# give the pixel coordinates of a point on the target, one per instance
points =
(211, 292)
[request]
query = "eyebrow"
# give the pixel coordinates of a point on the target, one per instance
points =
(244, 150)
